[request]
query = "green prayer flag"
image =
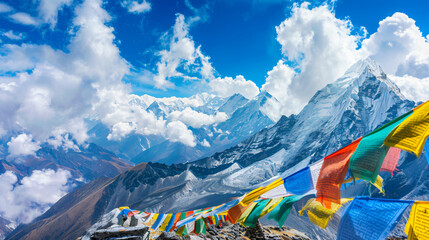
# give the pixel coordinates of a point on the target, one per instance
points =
(281, 211)
(253, 217)
(366, 161)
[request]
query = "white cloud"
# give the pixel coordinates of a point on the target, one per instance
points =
(24, 201)
(136, 7)
(178, 132)
(228, 86)
(182, 54)
(205, 143)
(25, 19)
(11, 35)
(320, 46)
(22, 145)
(48, 10)
(412, 88)
(4, 8)
(399, 47)
(197, 119)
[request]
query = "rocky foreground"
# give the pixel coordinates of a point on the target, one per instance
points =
(237, 231)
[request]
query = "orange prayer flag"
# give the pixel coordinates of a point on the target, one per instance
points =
(332, 174)
(235, 212)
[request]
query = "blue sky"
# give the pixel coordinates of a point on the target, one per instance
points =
(238, 36)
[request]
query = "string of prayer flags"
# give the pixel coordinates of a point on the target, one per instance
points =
(181, 231)
(282, 210)
(165, 222)
(171, 222)
(159, 221)
(332, 174)
(223, 208)
(254, 195)
(366, 161)
(235, 212)
(390, 162)
(417, 227)
(320, 215)
(246, 212)
(253, 217)
(300, 182)
(370, 219)
(411, 134)
(200, 227)
(270, 206)
(315, 171)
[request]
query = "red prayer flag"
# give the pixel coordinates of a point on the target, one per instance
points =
(332, 174)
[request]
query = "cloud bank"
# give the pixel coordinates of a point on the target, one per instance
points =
(33, 195)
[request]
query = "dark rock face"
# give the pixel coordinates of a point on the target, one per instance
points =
(137, 233)
(230, 231)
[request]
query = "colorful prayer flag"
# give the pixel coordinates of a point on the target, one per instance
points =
(300, 182)
(391, 160)
(332, 174)
(253, 195)
(411, 134)
(366, 161)
(417, 227)
(318, 214)
(253, 217)
(370, 219)
(281, 212)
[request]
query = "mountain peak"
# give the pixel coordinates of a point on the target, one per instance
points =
(366, 65)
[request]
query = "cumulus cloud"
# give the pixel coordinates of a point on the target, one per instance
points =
(48, 10)
(178, 132)
(412, 88)
(33, 195)
(52, 91)
(403, 52)
(399, 47)
(321, 46)
(22, 145)
(25, 19)
(228, 86)
(136, 6)
(12, 35)
(181, 55)
(197, 119)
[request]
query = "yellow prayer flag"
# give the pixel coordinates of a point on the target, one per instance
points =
(122, 208)
(271, 205)
(165, 223)
(254, 195)
(411, 134)
(246, 213)
(379, 184)
(320, 215)
(417, 227)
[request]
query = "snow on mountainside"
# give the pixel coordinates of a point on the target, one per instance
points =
(357, 103)
(245, 118)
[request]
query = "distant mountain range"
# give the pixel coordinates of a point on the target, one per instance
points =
(245, 117)
(352, 106)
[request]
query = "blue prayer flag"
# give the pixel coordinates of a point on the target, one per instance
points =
(370, 219)
(158, 221)
(427, 149)
(171, 222)
(300, 182)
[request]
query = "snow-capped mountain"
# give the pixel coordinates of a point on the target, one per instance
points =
(357, 103)
(245, 117)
